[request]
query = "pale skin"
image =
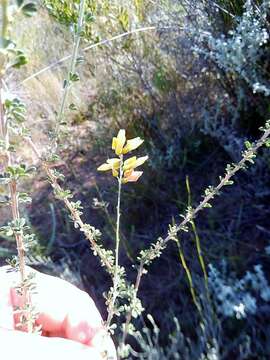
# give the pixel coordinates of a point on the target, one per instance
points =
(71, 324)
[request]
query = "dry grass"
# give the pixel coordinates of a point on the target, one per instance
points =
(48, 43)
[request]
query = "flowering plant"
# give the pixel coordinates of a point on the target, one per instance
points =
(121, 168)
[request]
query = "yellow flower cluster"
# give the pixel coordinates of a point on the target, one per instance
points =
(122, 146)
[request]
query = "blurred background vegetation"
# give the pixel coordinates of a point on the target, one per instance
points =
(195, 85)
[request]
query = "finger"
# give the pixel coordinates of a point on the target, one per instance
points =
(51, 300)
(83, 320)
(6, 308)
(17, 344)
(66, 311)
(63, 309)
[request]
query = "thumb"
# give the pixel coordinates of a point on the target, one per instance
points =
(17, 344)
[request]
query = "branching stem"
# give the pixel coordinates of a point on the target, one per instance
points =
(158, 246)
(74, 214)
(14, 204)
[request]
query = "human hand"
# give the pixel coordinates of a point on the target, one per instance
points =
(71, 324)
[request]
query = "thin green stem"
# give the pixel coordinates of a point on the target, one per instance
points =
(71, 70)
(117, 244)
(188, 274)
(199, 253)
(129, 314)
(117, 234)
(124, 240)
(197, 238)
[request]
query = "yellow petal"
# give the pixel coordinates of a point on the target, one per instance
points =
(104, 167)
(130, 160)
(129, 163)
(114, 143)
(120, 141)
(132, 144)
(114, 172)
(133, 177)
(140, 161)
(115, 163)
(133, 162)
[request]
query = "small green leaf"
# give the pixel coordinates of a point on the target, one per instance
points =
(19, 2)
(73, 107)
(89, 18)
(19, 60)
(9, 232)
(123, 18)
(65, 83)
(248, 144)
(79, 60)
(53, 158)
(24, 198)
(30, 169)
(13, 262)
(11, 148)
(4, 200)
(74, 77)
(58, 175)
(29, 9)
(267, 143)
